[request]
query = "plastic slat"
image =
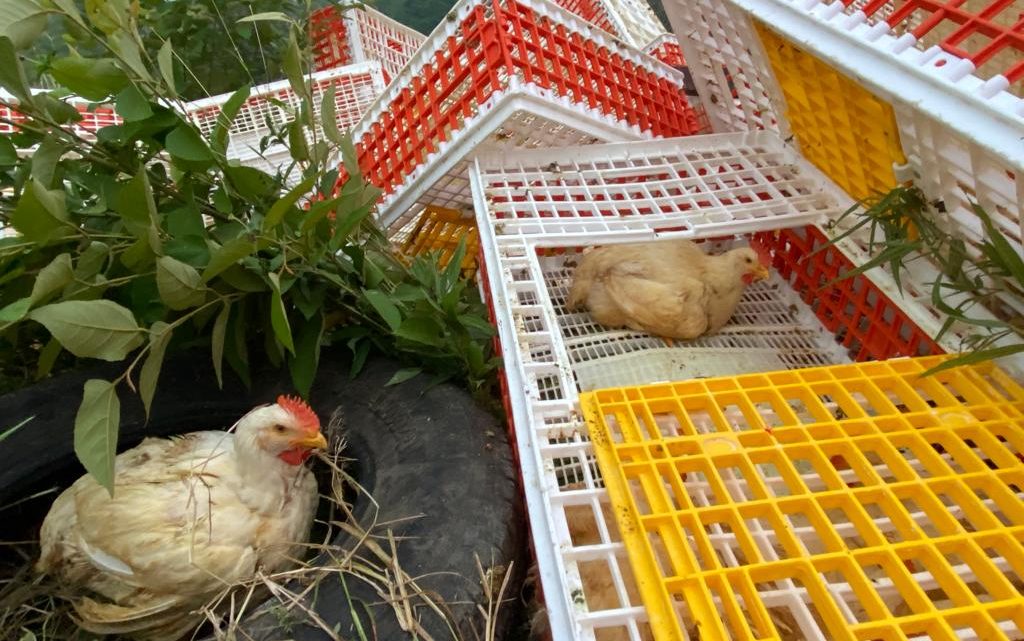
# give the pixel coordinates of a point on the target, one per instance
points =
(666, 48)
(843, 129)
(361, 34)
(631, 20)
(852, 502)
(441, 230)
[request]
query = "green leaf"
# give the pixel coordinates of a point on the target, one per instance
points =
(165, 60)
(52, 278)
(45, 158)
(329, 116)
(387, 310)
(350, 158)
(179, 284)
(128, 50)
(47, 357)
(138, 210)
(132, 105)
(227, 115)
(220, 327)
(454, 268)
(403, 375)
(279, 315)
(359, 353)
(40, 213)
(250, 183)
(57, 110)
(304, 363)
(292, 66)
(421, 329)
(226, 256)
(265, 16)
(92, 78)
(281, 207)
(1008, 256)
(91, 329)
(92, 260)
(96, 425)
(297, 141)
(12, 76)
(186, 144)
(972, 358)
(22, 21)
(159, 336)
(8, 152)
(5, 435)
(15, 311)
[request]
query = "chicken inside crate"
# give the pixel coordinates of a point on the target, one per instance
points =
(535, 223)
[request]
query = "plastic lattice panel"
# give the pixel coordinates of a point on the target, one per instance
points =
(666, 48)
(361, 34)
(989, 33)
(853, 502)
(842, 128)
(631, 20)
(441, 230)
(355, 88)
(700, 186)
(443, 103)
(94, 117)
(730, 71)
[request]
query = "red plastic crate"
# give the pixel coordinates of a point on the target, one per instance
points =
(666, 49)
(458, 72)
(92, 120)
(989, 33)
(329, 38)
(863, 318)
(593, 11)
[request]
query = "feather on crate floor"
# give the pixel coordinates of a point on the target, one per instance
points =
(771, 329)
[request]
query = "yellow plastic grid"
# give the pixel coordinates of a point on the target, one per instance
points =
(851, 502)
(440, 229)
(842, 128)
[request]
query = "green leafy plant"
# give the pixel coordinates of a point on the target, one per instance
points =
(147, 239)
(902, 226)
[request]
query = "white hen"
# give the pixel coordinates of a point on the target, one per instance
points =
(189, 516)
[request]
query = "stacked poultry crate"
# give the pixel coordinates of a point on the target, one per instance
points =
(792, 493)
(351, 34)
(271, 106)
(506, 74)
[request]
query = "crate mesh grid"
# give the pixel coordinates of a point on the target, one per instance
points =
(872, 514)
(360, 34)
(493, 50)
(666, 48)
(729, 183)
(842, 128)
(440, 230)
(731, 74)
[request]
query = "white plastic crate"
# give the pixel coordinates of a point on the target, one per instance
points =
(666, 48)
(889, 61)
(631, 20)
(374, 36)
(459, 103)
(729, 68)
(550, 353)
(355, 88)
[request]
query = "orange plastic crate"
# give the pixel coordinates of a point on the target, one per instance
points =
(852, 502)
(439, 229)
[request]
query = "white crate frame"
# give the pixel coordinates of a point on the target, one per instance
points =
(369, 31)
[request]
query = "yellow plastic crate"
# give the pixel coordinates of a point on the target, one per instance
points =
(440, 229)
(842, 128)
(851, 502)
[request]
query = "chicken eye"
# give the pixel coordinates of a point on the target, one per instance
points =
(280, 429)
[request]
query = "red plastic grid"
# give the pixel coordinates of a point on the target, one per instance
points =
(670, 53)
(329, 38)
(982, 31)
(863, 318)
(91, 122)
(492, 44)
(593, 11)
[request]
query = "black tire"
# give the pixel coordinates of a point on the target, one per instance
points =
(419, 451)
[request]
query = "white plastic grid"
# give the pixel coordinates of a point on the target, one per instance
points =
(697, 186)
(374, 36)
(731, 73)
(355, 88)
(890, 64)
(634, 20)
(550, 353)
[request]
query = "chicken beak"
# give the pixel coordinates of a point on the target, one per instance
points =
(314, 442)
(761, 273)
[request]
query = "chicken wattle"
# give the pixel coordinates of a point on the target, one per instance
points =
(190, 516)
(668, 288)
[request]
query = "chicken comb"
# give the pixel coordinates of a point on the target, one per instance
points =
(302, 412)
